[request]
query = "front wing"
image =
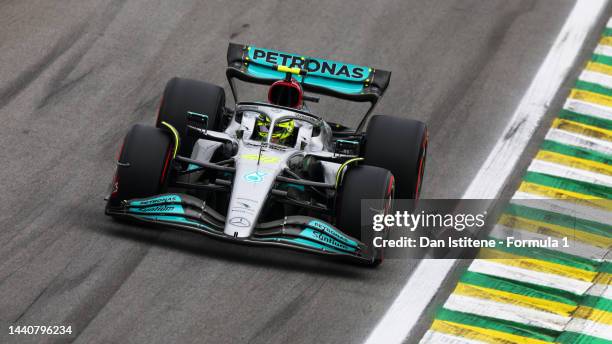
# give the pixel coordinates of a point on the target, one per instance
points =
(301, 233)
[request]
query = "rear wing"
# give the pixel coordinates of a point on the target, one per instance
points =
(332, 78)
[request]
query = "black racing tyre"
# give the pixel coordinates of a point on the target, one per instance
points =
(144, 163)
(183, 95)
(363, 182)
(399, 145)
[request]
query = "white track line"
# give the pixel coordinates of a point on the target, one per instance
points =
(423, 284)
(501, 161)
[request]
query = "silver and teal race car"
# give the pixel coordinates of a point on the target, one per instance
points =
(273, 172)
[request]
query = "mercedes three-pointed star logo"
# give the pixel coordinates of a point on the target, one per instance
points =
(240, 221)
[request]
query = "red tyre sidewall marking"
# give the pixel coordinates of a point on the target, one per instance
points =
(421, 162)
(166, 163)
(388, 202)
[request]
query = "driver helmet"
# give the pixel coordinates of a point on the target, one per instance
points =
(282, 130)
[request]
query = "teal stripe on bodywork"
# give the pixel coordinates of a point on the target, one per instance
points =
(192, 167)
(324, 237)
(296, 186)
(173, 218)
(155, 200)
(331, 231)
(159, 208)
(165, 212)
(327, 240)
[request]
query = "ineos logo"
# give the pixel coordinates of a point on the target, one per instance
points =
(242, 207)
(239, 222)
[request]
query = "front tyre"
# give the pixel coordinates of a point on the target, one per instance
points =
(144, 164)
(187, 95)
(360, 183)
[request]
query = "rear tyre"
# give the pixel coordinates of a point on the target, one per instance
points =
(183, 95)
(364, 182)
(399, 145)
(144, 164)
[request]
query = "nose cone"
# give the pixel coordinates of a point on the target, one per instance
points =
(251, 187)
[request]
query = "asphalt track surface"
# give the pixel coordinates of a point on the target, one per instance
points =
(74, 75)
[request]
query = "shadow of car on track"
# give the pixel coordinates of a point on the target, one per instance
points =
(206, 247)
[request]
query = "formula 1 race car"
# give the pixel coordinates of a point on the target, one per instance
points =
(271, 173)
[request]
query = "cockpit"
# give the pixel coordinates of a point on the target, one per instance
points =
(280, 126)
(284, 131)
